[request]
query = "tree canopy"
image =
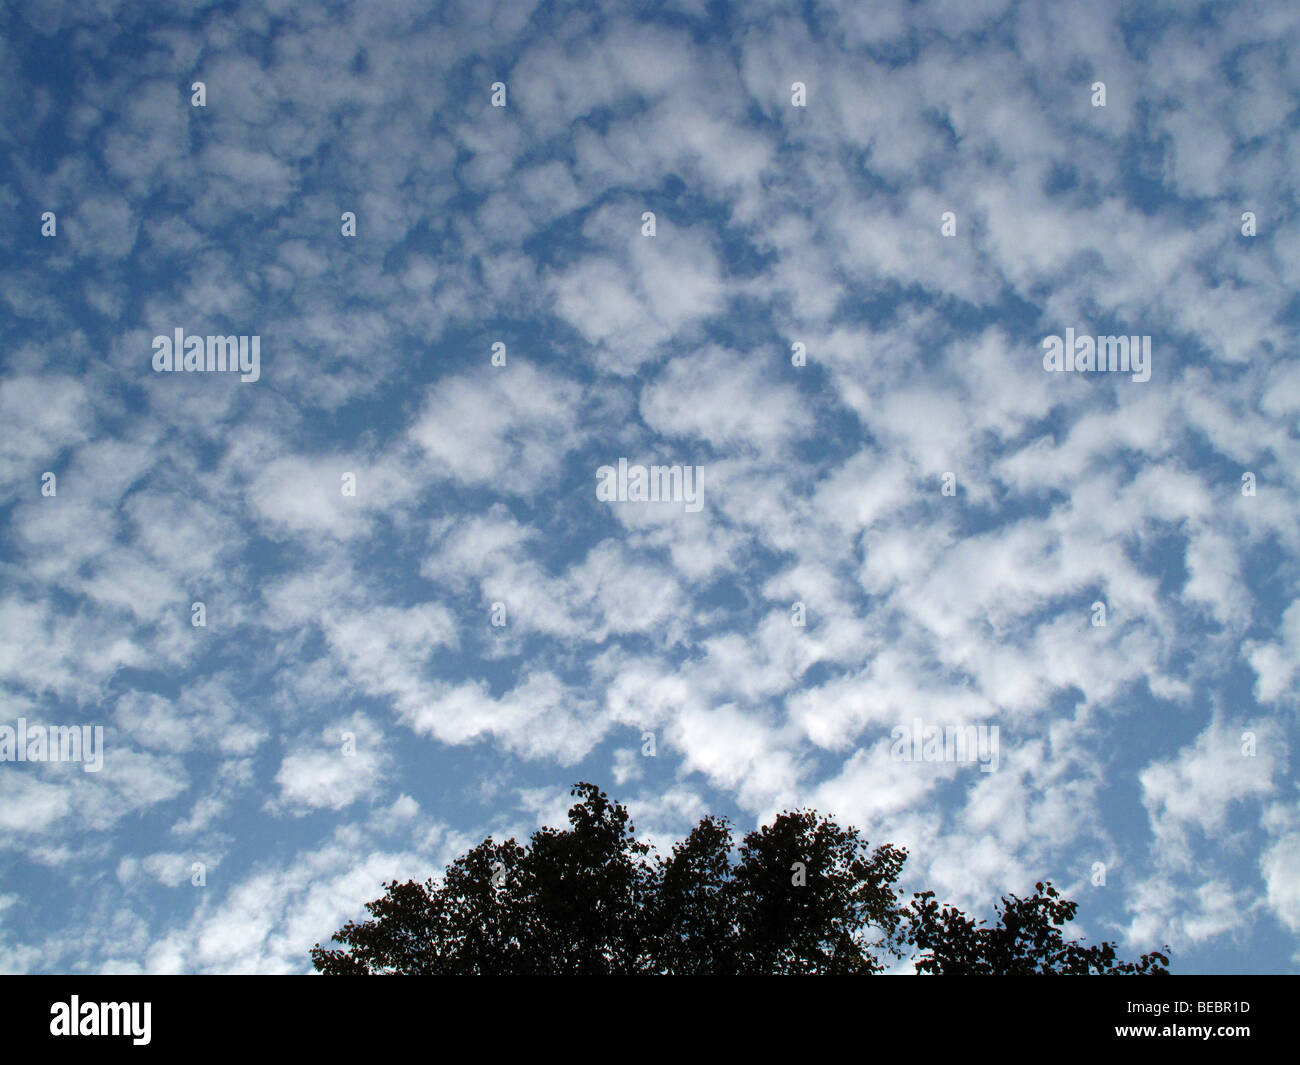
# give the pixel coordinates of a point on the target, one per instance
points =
(1026, 941)
(802, 895)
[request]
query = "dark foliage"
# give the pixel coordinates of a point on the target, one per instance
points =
(799, 896)
(1026, 941)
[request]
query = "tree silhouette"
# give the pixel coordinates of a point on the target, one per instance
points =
(799, 896)
(1026, 941)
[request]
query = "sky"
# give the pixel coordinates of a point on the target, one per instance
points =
(344, 611)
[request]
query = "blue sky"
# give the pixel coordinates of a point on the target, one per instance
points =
(1157, 746)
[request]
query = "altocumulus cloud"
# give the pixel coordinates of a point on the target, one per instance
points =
(341, 621)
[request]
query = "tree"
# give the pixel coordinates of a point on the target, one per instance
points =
(1026, 941)
(802, 895)
(801, 898)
